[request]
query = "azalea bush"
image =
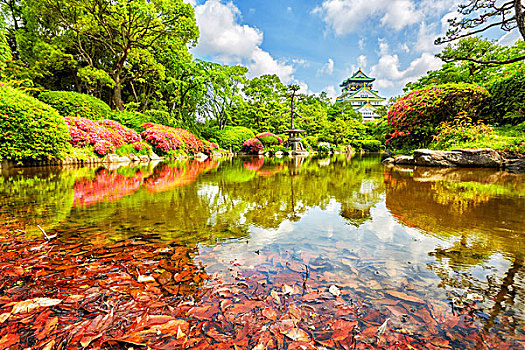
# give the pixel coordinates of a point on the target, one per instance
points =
(252, 146)
(165, 140)
(74, 104)
(269, 139)
(414, 118)
(29, 129)
(105, 135)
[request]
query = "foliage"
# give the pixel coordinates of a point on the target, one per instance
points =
(367, 145)
(5, 51)
(414, 118)
(166, 139)
(252, 146)
(269, 139)
(131, 119)
(29, 129)
(459, 130)
(138, 148)
(74, 104)
(232, 137)
(506, 104)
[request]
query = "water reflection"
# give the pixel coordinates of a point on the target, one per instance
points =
(440, 235)
(480, 212)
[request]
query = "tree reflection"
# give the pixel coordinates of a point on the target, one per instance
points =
(481, 210)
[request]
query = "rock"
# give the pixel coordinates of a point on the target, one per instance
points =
(279, 153)
(482, 158)
(388, 161)
(153, 157)
(404, 160)
(200, 156)
(134, 158)
(515, 165)
(144, 159)
(114, 158)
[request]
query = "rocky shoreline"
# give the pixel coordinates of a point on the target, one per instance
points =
(463, 158)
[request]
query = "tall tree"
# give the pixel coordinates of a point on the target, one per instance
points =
(477, 16)
(107, 34)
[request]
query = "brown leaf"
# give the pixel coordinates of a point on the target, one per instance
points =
(8, 340)
(269, 313)
(406, 297)
(144, 337)
(4, 317)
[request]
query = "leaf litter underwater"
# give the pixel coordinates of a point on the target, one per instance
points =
(59, 294)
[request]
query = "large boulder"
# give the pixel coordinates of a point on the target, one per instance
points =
(479, 158)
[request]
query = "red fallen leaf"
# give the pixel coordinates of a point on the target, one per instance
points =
(301, 345)
(27, 306)
(269, 313)
(147, 336)
(406, 297)
(49, 327)
(296, 334)
(9, 340)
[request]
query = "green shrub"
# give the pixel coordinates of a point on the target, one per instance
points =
(29, 129)
(131, 119)
(74, 104)
(269, 139)
(232, 137)
(324, 147)
(160, 117)
(367, 145)
(506, 104)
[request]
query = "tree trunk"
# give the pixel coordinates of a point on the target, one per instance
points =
(117, 94)
(520, 17)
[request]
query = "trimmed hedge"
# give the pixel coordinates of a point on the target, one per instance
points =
(269, 139)
(131, 119)
(367, 145)
(74, 104)
(233, 137)
(29, 129)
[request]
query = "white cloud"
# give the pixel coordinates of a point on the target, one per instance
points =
(389, 73)
(191, 2)
(261, 62)
(362, 43)
(331, 92)
(347, 16)
(510, 38)
(328, 68)
(362, 61)
(401, 13)
(225, 40)
(384, 48)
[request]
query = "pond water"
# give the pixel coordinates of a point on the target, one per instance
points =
(433, 250)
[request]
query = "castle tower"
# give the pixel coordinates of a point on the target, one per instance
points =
(358, 90)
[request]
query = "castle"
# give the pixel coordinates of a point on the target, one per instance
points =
(358, 90)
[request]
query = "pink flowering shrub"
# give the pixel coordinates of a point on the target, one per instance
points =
(103, 147)
(269, 139)
(130, 135)
(413, 119)
(105, 135)
(252, 146)
(166, 139)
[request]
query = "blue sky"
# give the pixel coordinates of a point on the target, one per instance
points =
(319, 43)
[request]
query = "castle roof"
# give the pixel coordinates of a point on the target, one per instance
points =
(358, 77)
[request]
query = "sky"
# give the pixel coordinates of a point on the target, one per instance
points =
(319, 43)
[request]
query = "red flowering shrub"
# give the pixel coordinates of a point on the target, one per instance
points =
(269, 139)
(105, 135)
(103, 147)
(414, 118)
(252, 146)
(130, 135)
(165, 139)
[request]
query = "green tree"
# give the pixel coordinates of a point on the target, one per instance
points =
(265, 97)
(110, 36)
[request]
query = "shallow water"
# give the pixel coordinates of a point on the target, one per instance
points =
(394, 238)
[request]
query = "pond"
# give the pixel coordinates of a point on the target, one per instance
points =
(439, 253)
